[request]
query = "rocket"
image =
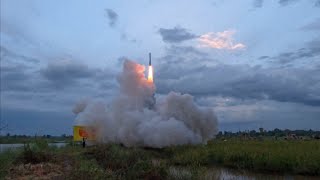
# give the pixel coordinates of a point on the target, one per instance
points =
(150, 70)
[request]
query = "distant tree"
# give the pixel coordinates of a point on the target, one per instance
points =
(253, 133)
(261, 130)
(270, 133)
(8, 134)
(219, 135)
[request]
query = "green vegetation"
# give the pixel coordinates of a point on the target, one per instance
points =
(295, 157)
(276, 134)
(6, 161)
(14, 139)
(180, 162)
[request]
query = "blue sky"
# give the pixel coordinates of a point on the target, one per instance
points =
(256, 62)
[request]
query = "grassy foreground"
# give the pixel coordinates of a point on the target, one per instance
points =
(118, 162)
(294, 157)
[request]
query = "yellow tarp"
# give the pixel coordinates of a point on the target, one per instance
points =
(80, 132)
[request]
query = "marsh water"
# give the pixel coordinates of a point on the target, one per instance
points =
(5, 147)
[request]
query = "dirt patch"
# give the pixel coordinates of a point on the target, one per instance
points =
(36, 171)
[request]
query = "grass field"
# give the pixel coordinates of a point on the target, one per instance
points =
(296, 157)
(118, 162)
(30, 139)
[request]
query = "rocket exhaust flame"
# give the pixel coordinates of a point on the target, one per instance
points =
(150, 74)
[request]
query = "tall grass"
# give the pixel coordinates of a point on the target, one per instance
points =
(128, 163)
(111, 161)
(298, 157)
(7, 159)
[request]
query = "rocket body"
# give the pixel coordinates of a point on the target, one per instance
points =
(149, 59)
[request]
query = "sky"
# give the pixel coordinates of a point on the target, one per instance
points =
(255, 62)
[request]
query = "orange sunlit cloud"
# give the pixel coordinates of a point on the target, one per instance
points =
(220, 40)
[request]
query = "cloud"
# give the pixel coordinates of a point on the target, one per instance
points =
(112, 16)
(311, 50)
(234, 113)
(15, 78)
(239, 81)
(187, 50)
(125, 37)
(220, 40)
(65, 72)
(286, 2)
(17, 71)
(243, 96)
(175, 35)
(264, 57)
(9, 55)
(257, 3)
(314, 26)
(56, 86)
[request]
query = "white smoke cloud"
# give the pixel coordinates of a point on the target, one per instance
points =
(134, 119)
(220, 40)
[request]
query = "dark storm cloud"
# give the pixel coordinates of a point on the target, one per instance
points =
(65, 73)
(14, 78)
(16, 71)
(112, 16)
(175, 35)
(19, 75)
(311, 50)
(241, 81)
(56, 86)
(8, 55)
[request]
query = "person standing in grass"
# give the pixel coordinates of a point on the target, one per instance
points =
(83, 142)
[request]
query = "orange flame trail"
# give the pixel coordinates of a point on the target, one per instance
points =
(150, 74)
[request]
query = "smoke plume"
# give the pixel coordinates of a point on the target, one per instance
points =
(134, 118)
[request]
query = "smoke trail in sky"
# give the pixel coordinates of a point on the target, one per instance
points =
(135, 119)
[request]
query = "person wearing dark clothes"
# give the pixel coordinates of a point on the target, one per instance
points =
(83, 142)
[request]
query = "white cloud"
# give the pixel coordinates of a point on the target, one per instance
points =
(220, 40)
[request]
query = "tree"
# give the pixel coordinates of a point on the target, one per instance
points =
(261, 130)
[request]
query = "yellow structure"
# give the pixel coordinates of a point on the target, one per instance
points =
(80, 132)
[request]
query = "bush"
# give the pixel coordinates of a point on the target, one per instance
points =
(36, 152)
(128, 163)
(7, 158)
